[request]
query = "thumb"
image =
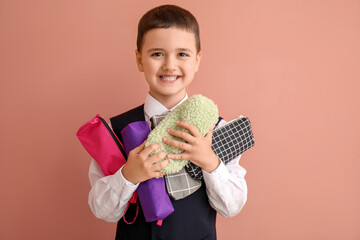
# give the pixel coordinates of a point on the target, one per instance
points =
(210, 132)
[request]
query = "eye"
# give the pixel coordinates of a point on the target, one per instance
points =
(156, 54)
(182, 54)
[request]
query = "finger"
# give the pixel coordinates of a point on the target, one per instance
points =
(156, 167)
(181, 156)
(210, 132)
(139, 148)
(158, 174)
(192, 129)
(177, 144)
(180, 134)
(160, 165)
(156, 157)
(149, 149)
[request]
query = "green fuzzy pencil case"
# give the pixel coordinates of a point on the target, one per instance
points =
(197, 110)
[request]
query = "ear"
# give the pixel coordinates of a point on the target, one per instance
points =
(139, 61)
(197, 61)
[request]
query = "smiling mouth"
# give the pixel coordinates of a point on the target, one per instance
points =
(170, 78)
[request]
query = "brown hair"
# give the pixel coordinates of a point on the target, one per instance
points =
(166, 16)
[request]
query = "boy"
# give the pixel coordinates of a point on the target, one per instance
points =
(168, 52)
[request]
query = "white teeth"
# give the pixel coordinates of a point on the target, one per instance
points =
(169, 78)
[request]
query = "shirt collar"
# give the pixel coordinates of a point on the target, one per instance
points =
(153, 107)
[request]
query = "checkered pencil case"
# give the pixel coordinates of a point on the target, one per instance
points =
(228, 142)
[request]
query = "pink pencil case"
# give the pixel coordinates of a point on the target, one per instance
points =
(103, 145)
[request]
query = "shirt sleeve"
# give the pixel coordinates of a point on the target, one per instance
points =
(226, 187)
(109, 195)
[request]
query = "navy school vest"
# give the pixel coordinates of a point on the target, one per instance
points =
(193, 218)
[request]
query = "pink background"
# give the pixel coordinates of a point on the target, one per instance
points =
(292, 67)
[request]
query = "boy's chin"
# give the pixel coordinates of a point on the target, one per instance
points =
(169, 94)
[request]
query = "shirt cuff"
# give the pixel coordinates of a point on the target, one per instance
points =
(219, 174)
(122, 186)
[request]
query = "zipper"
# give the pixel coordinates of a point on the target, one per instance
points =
(226, 124)
(113, 136)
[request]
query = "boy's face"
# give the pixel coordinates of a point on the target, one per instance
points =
(169, 61)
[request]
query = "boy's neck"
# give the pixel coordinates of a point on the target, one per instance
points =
(169, 101)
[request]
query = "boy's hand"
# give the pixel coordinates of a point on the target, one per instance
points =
(140, 167)
(197, 148)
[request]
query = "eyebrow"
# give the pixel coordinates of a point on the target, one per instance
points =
(178, 49)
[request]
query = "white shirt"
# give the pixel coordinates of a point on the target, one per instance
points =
(225, 186)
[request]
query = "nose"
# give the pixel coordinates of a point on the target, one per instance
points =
(169, 63)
